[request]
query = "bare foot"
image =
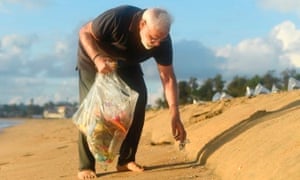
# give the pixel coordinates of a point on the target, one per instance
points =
(131, 166)
(86, 175)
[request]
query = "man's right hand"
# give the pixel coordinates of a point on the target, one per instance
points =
(105, 65)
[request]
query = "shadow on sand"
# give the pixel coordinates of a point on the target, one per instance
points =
(228, 135)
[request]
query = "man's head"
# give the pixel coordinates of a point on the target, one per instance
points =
(154, 27)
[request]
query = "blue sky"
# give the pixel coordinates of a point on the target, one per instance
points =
(38, 42)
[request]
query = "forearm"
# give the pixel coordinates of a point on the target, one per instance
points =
(89, 43)
(171, 94)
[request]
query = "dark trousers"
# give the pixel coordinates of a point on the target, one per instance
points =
(129, 147)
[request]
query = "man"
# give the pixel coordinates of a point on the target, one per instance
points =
(127, 35)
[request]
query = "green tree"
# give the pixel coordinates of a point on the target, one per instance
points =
(184, 92)
(237, 87)
(218, 83)
(297, 76)
(286, 74)
(206, 90)
(49, 105)
(254, 81)
(269, 79)
(193, 88)
(161, 103)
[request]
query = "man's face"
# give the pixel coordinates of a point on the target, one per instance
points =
(150, 37)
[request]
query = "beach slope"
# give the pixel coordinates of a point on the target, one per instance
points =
(241, 138)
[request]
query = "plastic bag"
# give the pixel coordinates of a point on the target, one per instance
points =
(105, 115)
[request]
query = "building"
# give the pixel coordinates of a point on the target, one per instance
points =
(59, 112)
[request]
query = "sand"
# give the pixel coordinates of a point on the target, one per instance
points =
(242, 138)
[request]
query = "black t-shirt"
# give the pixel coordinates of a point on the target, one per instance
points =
(118, 35)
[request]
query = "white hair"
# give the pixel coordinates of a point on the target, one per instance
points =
(158, 18)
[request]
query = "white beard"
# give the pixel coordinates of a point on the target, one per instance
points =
(145, 44)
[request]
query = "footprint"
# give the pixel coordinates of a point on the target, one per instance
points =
(62, 147)
(3, 163)
(28, 154)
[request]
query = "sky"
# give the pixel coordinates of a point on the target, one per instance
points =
(39, 39)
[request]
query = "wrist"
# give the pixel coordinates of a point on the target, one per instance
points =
(174, 110)
(173, 106)
(95, 57)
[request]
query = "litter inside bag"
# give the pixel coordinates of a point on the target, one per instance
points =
(105, 115)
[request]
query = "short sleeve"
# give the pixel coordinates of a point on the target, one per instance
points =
(104, 25)
(164, 53)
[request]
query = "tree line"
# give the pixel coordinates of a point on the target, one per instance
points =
(191, 89)
(30, 110)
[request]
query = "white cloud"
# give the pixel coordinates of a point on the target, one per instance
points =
(281, 5)
(277, 52)
(47, 72)
(26, 72)
(295, 59)
(249, 57)
(61, 47)
(15, 43)
(14, 50)
(288, 35)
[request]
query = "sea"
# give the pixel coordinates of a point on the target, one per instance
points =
(4, 123)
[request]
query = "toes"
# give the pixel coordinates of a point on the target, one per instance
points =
(86, 175)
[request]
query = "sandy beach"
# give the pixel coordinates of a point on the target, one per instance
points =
(241, 138)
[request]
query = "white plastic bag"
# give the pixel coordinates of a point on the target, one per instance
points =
(105, 115)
